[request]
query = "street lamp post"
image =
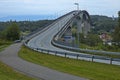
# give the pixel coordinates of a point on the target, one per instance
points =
(77, 4)
(78, 35)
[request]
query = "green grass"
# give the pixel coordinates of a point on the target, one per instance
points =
(90, 70)
(2, 47)
(100, 46)
(4, 44)
(7, 73)
(83, 46)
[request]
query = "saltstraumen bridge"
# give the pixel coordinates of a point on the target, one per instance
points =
(43, 39)
(46, 39)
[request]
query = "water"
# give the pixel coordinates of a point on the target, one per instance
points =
(28, 18)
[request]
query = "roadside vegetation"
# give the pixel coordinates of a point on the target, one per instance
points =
(90, 70)
(101, 47)
(11, 33)
(4, 44)
(93, 42)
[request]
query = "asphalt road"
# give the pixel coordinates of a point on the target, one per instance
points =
(10, 57)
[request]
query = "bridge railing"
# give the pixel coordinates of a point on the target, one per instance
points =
(60, 45)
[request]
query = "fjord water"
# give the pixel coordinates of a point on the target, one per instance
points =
(27, 18)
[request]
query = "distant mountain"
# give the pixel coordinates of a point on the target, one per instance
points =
(27, 18)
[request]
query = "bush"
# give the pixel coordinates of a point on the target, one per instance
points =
(12, 32)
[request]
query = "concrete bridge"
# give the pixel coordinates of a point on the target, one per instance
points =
(46, 39)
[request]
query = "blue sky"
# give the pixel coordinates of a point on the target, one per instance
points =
(57, 7)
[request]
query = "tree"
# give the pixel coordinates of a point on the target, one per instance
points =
(93, 40)
(119, 26)
(90, 39)
(116, 36)
(82, 39)
(2, 35)
(12, 32)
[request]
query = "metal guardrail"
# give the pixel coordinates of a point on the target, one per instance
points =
(58, 44)
(73, 55)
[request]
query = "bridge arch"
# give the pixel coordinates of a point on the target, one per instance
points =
(83, 22)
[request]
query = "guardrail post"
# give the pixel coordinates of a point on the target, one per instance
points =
(77, 56)
(48, 51)
(110, 60)
(92, 58)
(55, 53)
(41, 50)
(37, 49)
(65, 55)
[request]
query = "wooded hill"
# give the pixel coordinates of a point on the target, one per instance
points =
(26, 25)
(99, 24)
(103, 23)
